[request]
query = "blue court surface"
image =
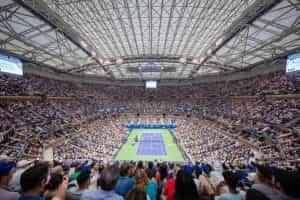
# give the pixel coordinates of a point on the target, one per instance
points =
(151, 144)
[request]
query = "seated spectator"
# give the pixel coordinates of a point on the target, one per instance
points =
(231, 180)
(55, 189)
(125, 183)
(33, 181)
(6, 173)
(107, 181)
(83, 181)
(185, 187)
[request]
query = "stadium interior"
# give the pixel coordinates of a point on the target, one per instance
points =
(149, 100)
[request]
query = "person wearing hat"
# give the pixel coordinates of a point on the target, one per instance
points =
(6, 173)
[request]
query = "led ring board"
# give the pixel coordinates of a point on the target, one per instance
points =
(151, 84)
(10, 65)
(293, 63)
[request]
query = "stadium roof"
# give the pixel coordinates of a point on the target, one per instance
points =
(149, 39)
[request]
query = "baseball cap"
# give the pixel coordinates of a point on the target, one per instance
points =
(5, 167)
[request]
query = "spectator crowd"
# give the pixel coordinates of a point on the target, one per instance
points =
(145, 181)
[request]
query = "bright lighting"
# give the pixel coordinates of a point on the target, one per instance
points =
(182, 60)
(119, 61)
(151, 84)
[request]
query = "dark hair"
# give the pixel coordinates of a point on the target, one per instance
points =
(109, 178)
(33, 177)
(55, 181)
(163, 171)
(78, 168)
(264, 171)
(254, 194)
(289, 182)
(140, 165)
(231, 179)
(150, 173)
(198, 172)
(150, 165)
(136, 194)
(83, 178)
(185, 187)
(124, 169)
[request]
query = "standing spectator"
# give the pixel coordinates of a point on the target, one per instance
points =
(125, 183)
(22, 165)
(75, 174)
(83, 182)
(6, 173)
(161, 179)
(151, 188)
(33, 181)
(288, 183)
(263, 182)
(139, 190)
(107, 181)
(55, 189)
(136, 194)
(254, 194)
(231, 180)
(185, 187)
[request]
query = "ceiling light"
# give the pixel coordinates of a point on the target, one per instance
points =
(219, 41)
(209, 51)
(106, 62)
(182, 60)
(94, 54)
(196, 61)
(83, 44)
(119, 61)
(100, 60)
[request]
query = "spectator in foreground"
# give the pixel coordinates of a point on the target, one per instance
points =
(151, 187)
(33, 181)
(288, 184)
(231, 180)
(83, 181)
(124, 183)
(263, 182)
(55, 189)
(75, 174)
(136, 194)
(139, 190)
(6, 173)
(107, 182)
(21, 166)
(185, 187)
(254, 194)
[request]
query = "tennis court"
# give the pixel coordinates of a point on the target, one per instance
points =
(151, 144)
